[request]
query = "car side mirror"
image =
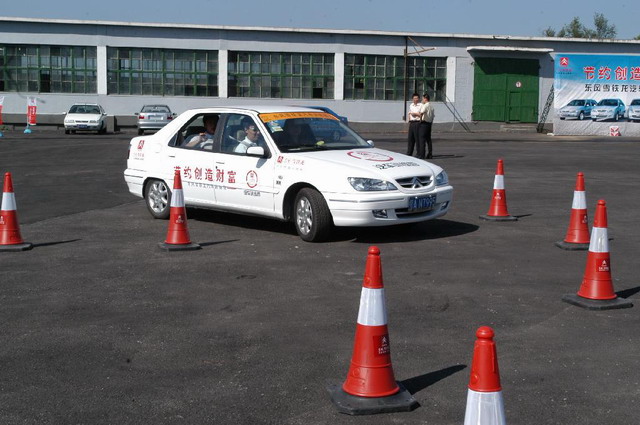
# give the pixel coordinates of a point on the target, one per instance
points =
(256, 151)
(370, 143)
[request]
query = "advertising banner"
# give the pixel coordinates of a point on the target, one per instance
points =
(31, 110)
(597, 95)
(1, 103)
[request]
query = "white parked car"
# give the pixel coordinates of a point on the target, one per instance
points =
(85, 117)
(270, 161)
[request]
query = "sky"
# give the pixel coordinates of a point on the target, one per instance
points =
(486, 17)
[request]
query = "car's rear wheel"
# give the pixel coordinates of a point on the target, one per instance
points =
(157, 196)
(140, 132)
(67, 132)
(311, 216)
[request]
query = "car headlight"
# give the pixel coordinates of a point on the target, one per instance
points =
(69, 121)
(93, 122)
(362, 184)
(442, 179)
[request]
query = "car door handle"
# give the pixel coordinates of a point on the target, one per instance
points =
(220, 162)
(171, 155)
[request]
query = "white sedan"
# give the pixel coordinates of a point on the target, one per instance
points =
(282, 162)
(85, 117)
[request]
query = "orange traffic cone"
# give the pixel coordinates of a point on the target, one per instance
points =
(596, 291)
(498, 208)
(577, 238)
(484, 396)
(10, 238)
(178, 233)
(370, 386)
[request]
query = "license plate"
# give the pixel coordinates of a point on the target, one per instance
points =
(82, 126)
(417, 203)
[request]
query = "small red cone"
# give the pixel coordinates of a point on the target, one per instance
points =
(498, 208)
(10, 238)
(178, 233)
(370, 386)
(596, 291)
(577, 238)
(484, 396)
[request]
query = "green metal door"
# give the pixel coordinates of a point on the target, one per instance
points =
(506, 90)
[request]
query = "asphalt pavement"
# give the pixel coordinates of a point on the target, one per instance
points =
(99, 326)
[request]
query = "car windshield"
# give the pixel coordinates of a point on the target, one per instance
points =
(635, 102)
(84, 109)
(156, 108)
(576, 102)
(310, 131)
(608, 102)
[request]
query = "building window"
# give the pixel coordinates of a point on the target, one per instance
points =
(162, 72)
(374, 77)
(281, 75)
(48, 69)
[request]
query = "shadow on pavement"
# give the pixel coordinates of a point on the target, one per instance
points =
(419, 383)
(39, 245)
(626, 293)
(435, 229)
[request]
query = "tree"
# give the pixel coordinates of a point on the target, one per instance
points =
(576, 29)
(637, 37)
(603, 28)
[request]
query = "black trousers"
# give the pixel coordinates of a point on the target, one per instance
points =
(425, 137)
(414, 137)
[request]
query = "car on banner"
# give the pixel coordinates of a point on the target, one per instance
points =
(578, 109)
(85, 117)
(268, 161)
(634, 110)
(608, 109)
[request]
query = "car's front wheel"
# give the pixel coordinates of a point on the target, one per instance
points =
(311, 216)
(581, 116)
(157, 196)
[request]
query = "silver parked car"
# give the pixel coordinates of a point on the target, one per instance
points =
(577, 109)
(634, 110)
(608, 109)
(153, 117)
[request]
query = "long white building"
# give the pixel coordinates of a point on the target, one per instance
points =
(365, 75)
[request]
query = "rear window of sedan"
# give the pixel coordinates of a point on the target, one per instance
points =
(155, 108)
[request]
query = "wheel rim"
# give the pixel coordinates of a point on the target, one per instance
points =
(158, 197)
(304, 216)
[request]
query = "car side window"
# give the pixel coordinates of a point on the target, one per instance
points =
(240, 132)
(200, 133)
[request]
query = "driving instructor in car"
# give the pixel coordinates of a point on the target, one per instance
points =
(252, 138)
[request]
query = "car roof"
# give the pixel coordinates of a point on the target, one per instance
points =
(260, 109)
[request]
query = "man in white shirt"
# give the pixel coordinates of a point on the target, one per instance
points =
(414, 125)
(427, 115)
(204, 140)
(252, 133)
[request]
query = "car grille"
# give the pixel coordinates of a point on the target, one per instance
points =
(82, 122)
(418, 181)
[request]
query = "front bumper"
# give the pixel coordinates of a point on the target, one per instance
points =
(82, 126)
(569, 114)
(385, 208)
(609, 115)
